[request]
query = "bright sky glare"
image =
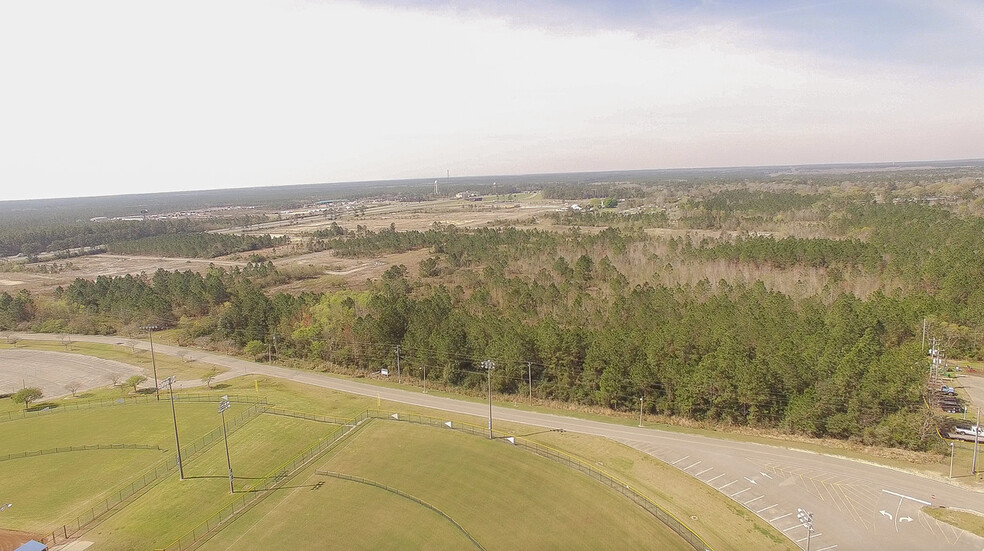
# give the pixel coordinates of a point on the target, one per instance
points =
(109, 97)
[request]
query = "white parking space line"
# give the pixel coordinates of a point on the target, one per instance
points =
(740, 491)
(715, 478)
(793, 527)
(766, 508)
(728, 484)
(691, 465)
(779, 517)
(679, 460)
(813, 537)
(754, 499)
(827, 548)
(704, 471)
(907, 497)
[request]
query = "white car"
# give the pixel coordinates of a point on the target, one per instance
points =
(970, 431)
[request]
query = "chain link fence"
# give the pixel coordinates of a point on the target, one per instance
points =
(87, 447)
(122, 401)
(149, 477)
(250, 496)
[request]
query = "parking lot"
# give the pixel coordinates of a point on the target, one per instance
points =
(850, 512)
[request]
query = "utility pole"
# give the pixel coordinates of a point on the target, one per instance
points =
(640, 410)
(924, 335)
(489, 365)
(177, 445)
(399, 376)
(150, 334)
(425, 375)
(529, 367)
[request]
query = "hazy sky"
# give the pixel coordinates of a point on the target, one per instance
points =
(103, 97)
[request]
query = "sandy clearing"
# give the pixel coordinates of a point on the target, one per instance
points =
(51, 371)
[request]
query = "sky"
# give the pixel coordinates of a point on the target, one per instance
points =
(108, 97)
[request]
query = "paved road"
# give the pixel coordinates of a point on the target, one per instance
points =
(856, 506)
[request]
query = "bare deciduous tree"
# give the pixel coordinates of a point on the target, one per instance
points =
(209, 376)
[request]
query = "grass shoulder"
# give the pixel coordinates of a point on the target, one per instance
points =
(965, 520)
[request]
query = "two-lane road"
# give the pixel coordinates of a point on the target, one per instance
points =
(856, 505)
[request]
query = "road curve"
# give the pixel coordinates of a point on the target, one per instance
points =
(856, 505)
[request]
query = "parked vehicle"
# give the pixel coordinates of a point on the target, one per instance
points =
(947, 390)
(969, 431)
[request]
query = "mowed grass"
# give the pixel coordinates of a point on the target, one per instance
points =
(172, 508)
(50, 490)
(166, 365)
(505, 497)
(295, 396)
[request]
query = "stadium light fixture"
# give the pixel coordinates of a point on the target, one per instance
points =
(806, 519)
(223, 406)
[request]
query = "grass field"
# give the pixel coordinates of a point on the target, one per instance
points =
(435, 466)
(174, 507)
(506, 498)
(49, 489)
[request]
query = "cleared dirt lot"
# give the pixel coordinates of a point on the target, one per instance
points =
(338, 271)
(51, 371)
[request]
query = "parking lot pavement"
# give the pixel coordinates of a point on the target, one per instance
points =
(849, 512)
(973, 386)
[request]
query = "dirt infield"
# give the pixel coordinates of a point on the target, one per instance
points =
(51, 371)
(12, 539)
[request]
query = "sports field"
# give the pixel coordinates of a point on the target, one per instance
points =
(400, 485)
(503, 497)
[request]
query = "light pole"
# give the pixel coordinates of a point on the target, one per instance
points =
(224, 405)
(640, 410)
(806, 519)
(489, 365)
(977, 437)
(150, 334)
(951, 459)
(177, 445)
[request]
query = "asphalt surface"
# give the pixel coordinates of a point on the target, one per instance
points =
(855, 505)
(973, 386)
